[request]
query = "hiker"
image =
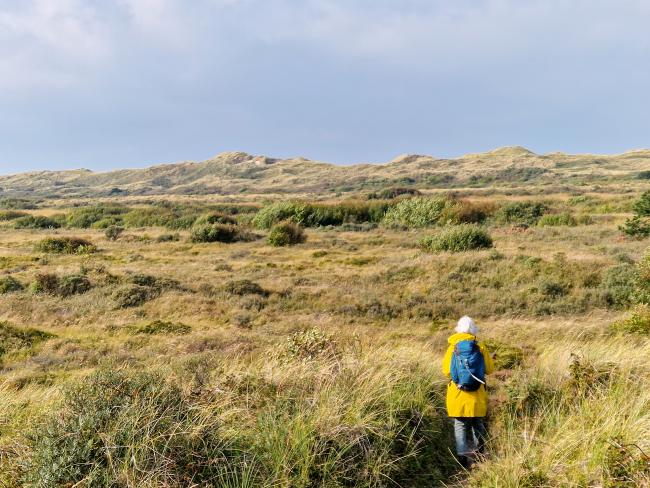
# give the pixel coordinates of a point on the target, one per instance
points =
(466, 363)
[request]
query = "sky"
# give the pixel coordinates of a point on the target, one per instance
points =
(107, 84)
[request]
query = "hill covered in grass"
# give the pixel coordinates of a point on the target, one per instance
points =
(232, 173)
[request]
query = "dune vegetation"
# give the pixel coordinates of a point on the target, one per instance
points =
(296, 342)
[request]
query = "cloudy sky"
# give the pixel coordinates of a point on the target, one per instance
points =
(106, 84)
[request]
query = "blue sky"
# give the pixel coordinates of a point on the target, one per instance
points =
(105, 84)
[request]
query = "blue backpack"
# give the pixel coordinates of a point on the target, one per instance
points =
(468, 366)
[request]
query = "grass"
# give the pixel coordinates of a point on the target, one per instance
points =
(167, 362)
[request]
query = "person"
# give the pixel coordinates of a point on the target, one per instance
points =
(466, 363)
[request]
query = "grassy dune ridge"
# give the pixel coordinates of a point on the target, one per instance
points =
(148, 357)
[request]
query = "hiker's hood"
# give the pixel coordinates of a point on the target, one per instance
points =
(463, 336)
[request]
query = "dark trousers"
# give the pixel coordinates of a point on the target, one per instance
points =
(471, 434)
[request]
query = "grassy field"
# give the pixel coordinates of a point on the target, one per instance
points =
(170, 343)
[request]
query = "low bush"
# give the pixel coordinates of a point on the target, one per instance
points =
(66, 245)
(65, 286)
(286, 234)
(309, 344)
(215, 218)
(524, 214)
(216, 233)
(123, 428)
(637, 322)
(133, 295)
(113, 232)
(168, 238)
(155, 282)
(245, 287)
(458, 238)
(417, 212)
(391, 193)
(618, 285)
(317, 215)
(555, 220)
(9, 284)
(35, 222)
(18, 204)
(98, 216)
(162, 327)
(642, 205)
(637, 227)
(12, 215)
(17, 339)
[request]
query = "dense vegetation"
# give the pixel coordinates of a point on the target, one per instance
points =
(297, 343)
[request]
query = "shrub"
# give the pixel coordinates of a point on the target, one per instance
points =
(553, 289)
(217, 233)
(123, 428)
(35, 222)
(554, 220)
(73, 285)
(523, 214)
(9, 284)
(85, 217)
(469, 212)
(215, 218)
(168, 237)
(417, 212)
(17, 204)
(45, 283)
(286, 234)
(505, 355)
(65, 245)
(245, 287)
(133, 295)
(15, 339)
(12, 214)
(162, 327)
(618, 285)
(390, 193)
(113, 232)
(459, 238)
(638, 322)
(643, 175)
(638, 227)
(642, 205)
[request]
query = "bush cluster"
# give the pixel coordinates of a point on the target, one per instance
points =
(555, 220)
(418, 212)
(391, 193)
(524, 214)
(9, 284)
(35, 222)
(459, 238)
(286, 234)
(217, 233)
(638, 322)
(66, 245)
(14, 339)
(639, 225)
(64, 286)
(308, 214)
(162, 327)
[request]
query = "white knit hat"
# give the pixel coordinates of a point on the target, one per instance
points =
(466, 326)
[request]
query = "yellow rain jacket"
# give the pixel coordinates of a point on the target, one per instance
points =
(465, 403)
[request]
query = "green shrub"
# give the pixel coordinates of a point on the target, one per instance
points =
(317, 215)
(35, 222)
(17, 339)
(638, 227)
(12, 214)
(215, 218)
(642, 205)
(168, 238)
(551, 288)
(123, 428)
(52, 284)
(73, 285)
(17, 204)
(45, 283)
(391, 193)
(133, 295)
(643, 175)
(245, 287)
(216, 233)
(554, 220)
(523, 214)
(618, 285)
(638, 322)
(113, 232)
(154, 282)
(417, 212)
(458, 238)
(286, 234)
(66, 245)
(9, 284)
(162, 327)
(85, 217)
